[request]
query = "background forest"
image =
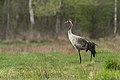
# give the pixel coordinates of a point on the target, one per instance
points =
(39, 19)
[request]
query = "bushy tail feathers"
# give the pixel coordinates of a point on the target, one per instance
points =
(91, 48)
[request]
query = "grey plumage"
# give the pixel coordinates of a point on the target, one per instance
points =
(80, 43)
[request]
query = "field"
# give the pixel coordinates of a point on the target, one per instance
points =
(58, 61)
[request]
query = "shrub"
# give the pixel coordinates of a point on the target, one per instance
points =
(112, 64)
(106, 74)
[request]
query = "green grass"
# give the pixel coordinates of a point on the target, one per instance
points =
(56, 66)
(21, 43)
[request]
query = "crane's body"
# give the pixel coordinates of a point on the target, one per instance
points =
(77, 41)
(80, 43)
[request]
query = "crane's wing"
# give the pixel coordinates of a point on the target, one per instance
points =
(81, 43)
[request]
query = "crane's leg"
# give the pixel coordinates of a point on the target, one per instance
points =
(91, 57)
(79, 56)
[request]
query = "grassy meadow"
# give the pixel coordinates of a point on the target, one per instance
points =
(58, 61)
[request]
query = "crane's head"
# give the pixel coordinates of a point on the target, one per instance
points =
(69, 22)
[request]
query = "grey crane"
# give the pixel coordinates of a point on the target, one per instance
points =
(79, 42)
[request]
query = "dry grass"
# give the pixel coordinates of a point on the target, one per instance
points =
(60, 45)
(40, 47)
(110, 44)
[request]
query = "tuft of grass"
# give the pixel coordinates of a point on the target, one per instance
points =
(107, 75)
(112, 64)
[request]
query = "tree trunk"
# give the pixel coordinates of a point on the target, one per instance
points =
(4, 14)
(5, 20)
(58, 21)
(115, 17)
(16, 26)
(31, 18)
(57, 25)
(7, 31)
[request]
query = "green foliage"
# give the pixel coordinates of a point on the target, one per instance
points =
(107, 75)
(112, 64)
(46, 7)
(92, 15)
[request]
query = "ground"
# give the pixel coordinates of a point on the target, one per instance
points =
(57, 61)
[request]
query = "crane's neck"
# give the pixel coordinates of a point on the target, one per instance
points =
(70, 28)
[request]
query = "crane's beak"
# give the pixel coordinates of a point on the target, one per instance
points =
(65, 22)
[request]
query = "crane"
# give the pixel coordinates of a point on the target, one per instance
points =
(79, 42)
